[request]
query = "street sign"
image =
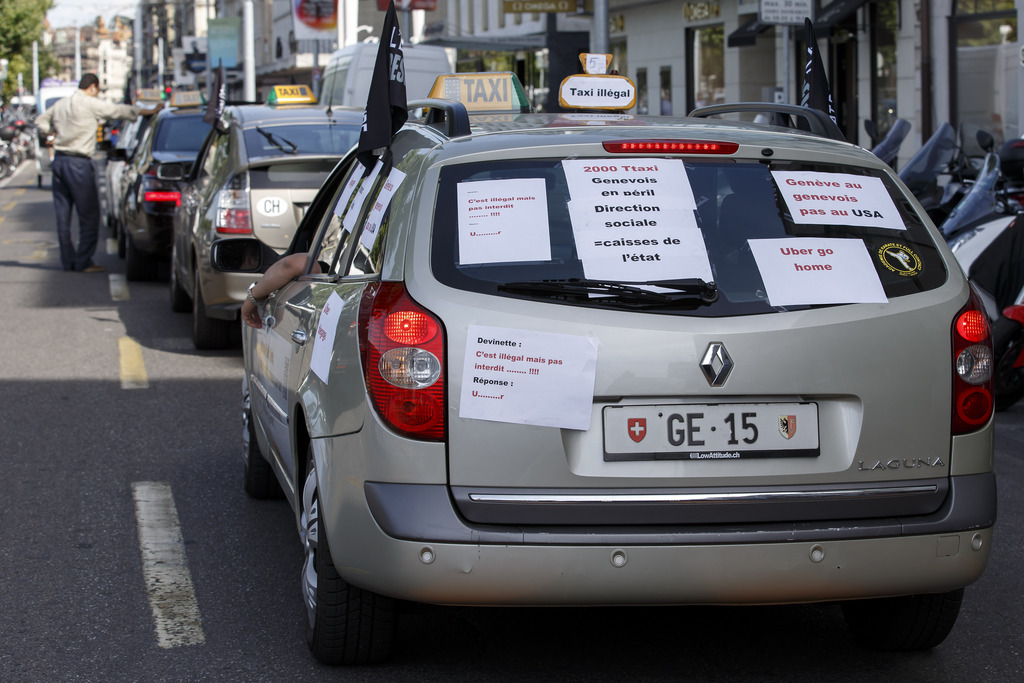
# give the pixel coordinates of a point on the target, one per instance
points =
(541, 6)
(785, 12)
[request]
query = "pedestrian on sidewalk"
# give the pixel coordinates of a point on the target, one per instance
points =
(72, 122)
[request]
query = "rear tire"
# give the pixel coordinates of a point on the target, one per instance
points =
(260, 480)
(912, 622)
(180, 302)
(207, 332)
(346, 625)
(138, 267)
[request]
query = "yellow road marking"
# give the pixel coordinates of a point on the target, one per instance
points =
(19, 192)
(133, 369)
(10, 205)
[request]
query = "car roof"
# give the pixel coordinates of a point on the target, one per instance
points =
(249, 115)
(488, 133)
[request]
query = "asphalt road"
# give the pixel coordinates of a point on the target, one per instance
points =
(83, 430)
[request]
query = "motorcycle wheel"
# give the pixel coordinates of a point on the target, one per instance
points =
(1008, 380)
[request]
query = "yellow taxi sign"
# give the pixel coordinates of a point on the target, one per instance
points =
(491, 92)
(291, 94)
(186, 98)
(593, 91)
(149, 95)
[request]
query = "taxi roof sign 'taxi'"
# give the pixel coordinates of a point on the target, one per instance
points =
(291, 94)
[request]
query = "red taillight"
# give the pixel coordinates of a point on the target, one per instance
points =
(972, 326)
(402, 345)
(670, 146)
(973, 365)
(159, 196)
(233, 222)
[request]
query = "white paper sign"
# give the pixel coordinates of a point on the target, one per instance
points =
(811, 270)
(838, 199)
(380, 205)
(663, 245)
(503, 221)
(323, 340)
(626, 181)
(349, 188)
(525, 377)
(359, 200)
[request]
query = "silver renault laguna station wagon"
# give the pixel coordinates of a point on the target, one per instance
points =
(600, 359)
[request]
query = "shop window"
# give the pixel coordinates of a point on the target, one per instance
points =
(985, 62)
(885, 22)
(665, 90)
(641, 91)
(706, 81)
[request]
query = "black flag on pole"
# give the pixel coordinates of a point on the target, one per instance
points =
(386, 104)
(816, 92)
(218, 96)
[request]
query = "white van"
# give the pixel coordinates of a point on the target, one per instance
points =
(346, 79)
(48, 96)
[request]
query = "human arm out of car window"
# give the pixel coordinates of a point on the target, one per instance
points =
(277, 276)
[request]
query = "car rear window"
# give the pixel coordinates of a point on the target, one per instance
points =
(177, 133)
(770, 235)
(291, 175)
(273, 140)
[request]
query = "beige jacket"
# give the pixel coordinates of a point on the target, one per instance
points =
(74, 121)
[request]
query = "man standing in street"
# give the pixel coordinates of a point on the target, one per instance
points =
(73, 122)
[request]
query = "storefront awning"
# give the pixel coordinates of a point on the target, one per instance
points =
(747, 34)
(833, 13)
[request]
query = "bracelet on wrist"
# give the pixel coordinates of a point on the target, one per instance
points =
(253, 299)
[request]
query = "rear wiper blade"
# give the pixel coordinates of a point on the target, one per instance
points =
(276, 141)
(690, 290)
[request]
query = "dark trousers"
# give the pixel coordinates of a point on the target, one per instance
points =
(74, 186)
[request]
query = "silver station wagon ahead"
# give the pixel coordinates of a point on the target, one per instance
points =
(599, 359)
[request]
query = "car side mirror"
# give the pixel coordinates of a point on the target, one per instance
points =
(173, 171)
(241, 255)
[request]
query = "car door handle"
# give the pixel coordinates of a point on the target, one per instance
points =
(299, 337)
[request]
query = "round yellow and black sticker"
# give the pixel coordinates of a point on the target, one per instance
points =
(900, 259)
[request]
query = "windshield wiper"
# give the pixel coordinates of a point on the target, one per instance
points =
(690, 290)
(274, 138)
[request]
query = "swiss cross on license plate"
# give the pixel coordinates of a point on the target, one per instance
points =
(711, 432)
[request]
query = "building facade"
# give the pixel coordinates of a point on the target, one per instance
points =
(95, 48)
(927, 61)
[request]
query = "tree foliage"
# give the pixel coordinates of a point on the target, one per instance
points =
(21, 23)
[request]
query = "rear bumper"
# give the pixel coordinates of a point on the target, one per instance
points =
(153, 235)
(407, 541)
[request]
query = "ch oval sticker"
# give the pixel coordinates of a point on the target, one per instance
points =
(271, 206)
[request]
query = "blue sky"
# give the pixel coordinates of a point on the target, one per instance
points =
(80, 12)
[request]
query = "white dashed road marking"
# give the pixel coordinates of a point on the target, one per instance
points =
(165, 567)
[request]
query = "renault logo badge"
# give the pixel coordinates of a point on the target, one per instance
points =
(716, 364)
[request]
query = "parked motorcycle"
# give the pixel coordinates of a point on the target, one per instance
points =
(887, 149)
(940, 172)
(986, 233)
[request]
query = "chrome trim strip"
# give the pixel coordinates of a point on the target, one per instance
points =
(692, 498)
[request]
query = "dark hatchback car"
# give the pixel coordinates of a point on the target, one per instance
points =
(152, 191)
